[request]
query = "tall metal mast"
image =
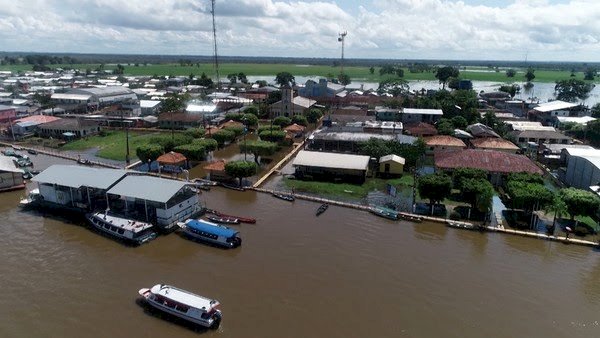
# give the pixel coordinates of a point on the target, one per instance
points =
(215, 44)
(342, 38)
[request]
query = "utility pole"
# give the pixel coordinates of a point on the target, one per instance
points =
(342, 38)
(216, 58)
(126, 137)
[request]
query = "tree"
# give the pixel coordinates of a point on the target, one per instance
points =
(120, 69)
(459, 122)
(208, 144)
(387, 69)
(572, 89)
(512, 89)
(282, 121)
(478, 192)
(395, 87)
(236, 129)
(241, 169)
(242, 77)
(169, 142)
(511, 72)
(460, 174)
(223, 135)
(596, 110)
(149, 152)
(530, 74)
(261, 83)
(272, 135)
(444, 73)
(528, 195)
(445, 127)
(251, 110)
(234, 116)
(435, 187)
(372, 70)
(300, 119)
(232, 78)
(174, 102)
(580, 202)
(589, 74)
(250, 119)
(285, 79)
(259, 148)
(399, 72)
(344, 79)
(375, 148)
(205, 81)
(314, 115)
(193, 151)
(195, 132)
(558, 207)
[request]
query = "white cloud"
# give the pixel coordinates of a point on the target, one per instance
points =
(379, 29)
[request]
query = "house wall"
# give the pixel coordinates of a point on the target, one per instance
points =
(395, 167)
(581, 173)
(178, 212)
(10, 179)
(331, 174)
(54, 194)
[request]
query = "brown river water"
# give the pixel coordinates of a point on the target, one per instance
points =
(345, 273)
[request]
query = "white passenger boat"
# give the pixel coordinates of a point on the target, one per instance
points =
(33, 198)
(184, 304)
(122, 228)
(211, 233)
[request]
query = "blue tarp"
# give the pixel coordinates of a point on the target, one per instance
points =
(200, 225)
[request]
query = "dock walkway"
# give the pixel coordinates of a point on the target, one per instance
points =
(61, 155)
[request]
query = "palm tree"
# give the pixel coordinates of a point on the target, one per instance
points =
(558, 207)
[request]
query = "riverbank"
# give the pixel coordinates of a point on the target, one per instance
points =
(356, 73)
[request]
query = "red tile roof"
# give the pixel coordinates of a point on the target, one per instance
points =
(171, 158)
(215, 166)
(493, 143)
(294, 128)
(488, 160)
(420, 129)
(38, 119)
(444, 140)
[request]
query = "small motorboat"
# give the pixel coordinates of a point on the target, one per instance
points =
(223, 220)
(184, 304)
(240, 218)
(84, 161)
(322, 208)
(211, 233)
(284, 197)
(32, 151)
(385, 213)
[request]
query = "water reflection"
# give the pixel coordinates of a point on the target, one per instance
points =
(429, 231)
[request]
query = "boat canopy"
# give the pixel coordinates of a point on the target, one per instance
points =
(201, 225)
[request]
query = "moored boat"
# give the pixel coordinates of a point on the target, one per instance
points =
(33, 198)
(32, 151)
(284, 197)
(184, 304)
(322, 208)
(239, 218)
(122, 228)
(211, 233)
(223, 220)
(385, 213)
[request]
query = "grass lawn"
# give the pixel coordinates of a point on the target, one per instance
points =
(266, 69)
(346, 189)
(112, 146)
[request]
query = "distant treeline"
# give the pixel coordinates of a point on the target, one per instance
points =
(15, 58)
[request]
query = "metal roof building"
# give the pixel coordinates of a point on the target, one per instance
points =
(331, 166)
(331, 160)
(75, 177)
(147, 188)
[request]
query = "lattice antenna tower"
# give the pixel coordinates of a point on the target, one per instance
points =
(215, 52)
(342, 38)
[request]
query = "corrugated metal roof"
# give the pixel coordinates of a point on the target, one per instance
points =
(488, 160)
(331, 160)
(8, 165)
(554, 105)
(393, 158)
(74, 176)
(65, 96)
(419, 111)
(147, 188)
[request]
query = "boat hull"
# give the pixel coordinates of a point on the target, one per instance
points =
(212, 323)
(220, 242)
(98, 225)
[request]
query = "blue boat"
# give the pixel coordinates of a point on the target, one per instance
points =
(211, 233)
(385, 213)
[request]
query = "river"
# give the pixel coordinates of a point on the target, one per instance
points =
(543, 91)
(346, 273)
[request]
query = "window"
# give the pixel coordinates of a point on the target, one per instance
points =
(121, 231)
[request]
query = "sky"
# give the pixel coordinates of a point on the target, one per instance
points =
(540, 30)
